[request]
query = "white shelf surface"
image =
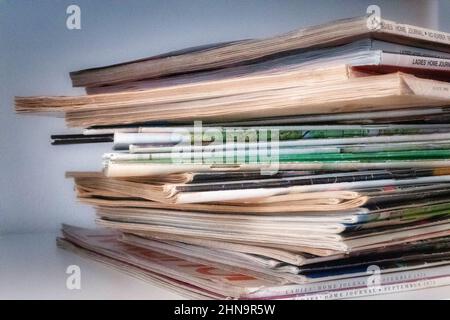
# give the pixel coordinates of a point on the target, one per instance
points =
(32, 267)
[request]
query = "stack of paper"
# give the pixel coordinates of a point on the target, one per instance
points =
(309, 165)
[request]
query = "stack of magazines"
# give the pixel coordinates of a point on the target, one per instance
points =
(309, 165)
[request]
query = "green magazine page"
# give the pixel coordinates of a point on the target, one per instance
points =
(314, 157)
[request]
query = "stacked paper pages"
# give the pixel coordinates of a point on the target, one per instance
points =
(310, 165)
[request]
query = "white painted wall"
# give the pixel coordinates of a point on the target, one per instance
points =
(444, 15)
